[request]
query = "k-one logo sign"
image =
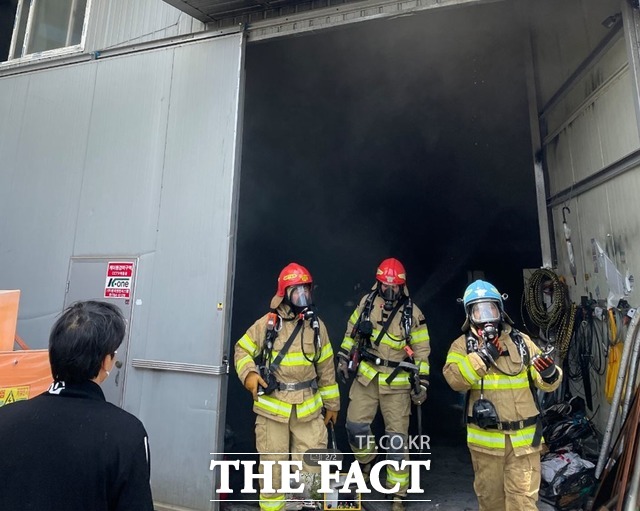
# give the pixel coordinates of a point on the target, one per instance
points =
(118, 280)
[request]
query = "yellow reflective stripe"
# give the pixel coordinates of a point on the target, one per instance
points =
(325, 353)
(466, 369)
(523, 437)
(420, 335)
(248, 345)
(363, 453)
(330, 392)
(347, 344)
(293, 359)
(394, 477)
(243, 362)
(366, 369)
(273, 405)
(354, 316)
(502, 382)
(423, 367)
(396, 345)
(309, 406)
(272, 502)
(401, 379)
(484, 438)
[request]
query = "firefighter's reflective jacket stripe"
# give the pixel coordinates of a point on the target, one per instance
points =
(296, 366)
(511, 395)
(272, 501)
(391, 345)
(491, 439)
(465, 367)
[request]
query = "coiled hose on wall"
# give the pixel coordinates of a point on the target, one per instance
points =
(555, 322)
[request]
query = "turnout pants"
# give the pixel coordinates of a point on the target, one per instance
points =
(396, 410)
(278, 441)
(506, 483)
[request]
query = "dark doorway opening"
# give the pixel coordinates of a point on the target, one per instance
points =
(404, 138)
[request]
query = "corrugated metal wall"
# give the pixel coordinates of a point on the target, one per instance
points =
(134, 155)
(592, 126)
(588, 128)
(115, 23)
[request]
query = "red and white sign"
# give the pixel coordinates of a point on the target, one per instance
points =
(119, 280)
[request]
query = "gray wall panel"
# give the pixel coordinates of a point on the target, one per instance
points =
(191, 267)
(134, 155)
(616, 121)
(595, 125)
(115, 23)
(196, 200)
(121, 188)
(565, 32)
(42, 172)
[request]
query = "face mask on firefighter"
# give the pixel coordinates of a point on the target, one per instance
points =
(390, 292)
(300, 295)
(485, 312)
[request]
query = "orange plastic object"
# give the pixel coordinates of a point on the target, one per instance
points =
(8, 318)
(23, 374)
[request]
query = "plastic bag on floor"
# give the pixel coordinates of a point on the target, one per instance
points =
(556, 467)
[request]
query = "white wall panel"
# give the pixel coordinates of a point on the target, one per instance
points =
(559, 163)
(624, 193)
(584, 139)
(115, 23)
(615, 117)
(600, 127)
(564, 33)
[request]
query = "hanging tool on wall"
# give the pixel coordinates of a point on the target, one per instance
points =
(567, 238)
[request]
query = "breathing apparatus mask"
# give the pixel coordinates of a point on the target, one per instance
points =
(299, 297)
(390, 293)
(486, 317)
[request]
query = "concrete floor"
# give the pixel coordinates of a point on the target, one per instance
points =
(448, 486)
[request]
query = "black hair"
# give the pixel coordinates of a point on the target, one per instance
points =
(82, 337)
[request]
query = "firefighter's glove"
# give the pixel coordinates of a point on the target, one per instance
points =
(547, 368)
(343, 367)
(251, 383)
(490, 352)
(421, 396)
(330, 416)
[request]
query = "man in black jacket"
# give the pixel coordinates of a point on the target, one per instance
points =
(68, 448)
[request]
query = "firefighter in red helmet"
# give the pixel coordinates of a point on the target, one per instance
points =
(386, 348)
(286, 361)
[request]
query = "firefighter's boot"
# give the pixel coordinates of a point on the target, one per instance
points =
(398, 504)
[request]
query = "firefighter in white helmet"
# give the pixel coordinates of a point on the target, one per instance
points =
(286, 361)
(500, 369)
(386, 347)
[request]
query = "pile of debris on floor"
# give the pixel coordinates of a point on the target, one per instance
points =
(568, 468)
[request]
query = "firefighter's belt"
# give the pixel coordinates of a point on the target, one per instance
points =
(377, 360)
(510, 425)
(313, 384)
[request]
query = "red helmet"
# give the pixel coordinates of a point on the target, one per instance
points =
(292, 274)
(391, 272)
